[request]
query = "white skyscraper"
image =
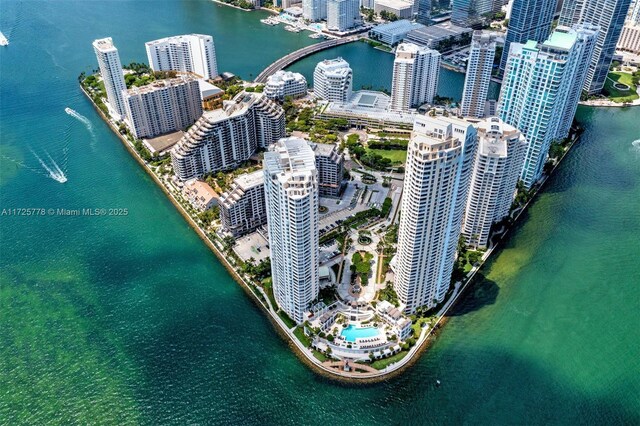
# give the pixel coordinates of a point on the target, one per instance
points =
(333, 80)
(314, 10)
(609, 15)
(111, 72)
(343, 15)
(189, 53)
(438, 169)
(497, 167)
(291, 189)
(539, 95)
(415, 76)
(478, 78)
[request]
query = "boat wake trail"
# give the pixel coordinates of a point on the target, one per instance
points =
(84, 120)
(635, 147)
(53, 170)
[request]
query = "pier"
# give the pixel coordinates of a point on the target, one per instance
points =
(293, 57)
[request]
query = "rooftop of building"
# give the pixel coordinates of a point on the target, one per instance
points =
(440, 31)
(283, 75)
(412, 48)
(250, 180)
(337, 65)
(200, 189)
(238, 106)
(493, 134)
(208, 90)
(394, 4)
(163, 142)
(323, 149)
(562, 38)
(162, 84)
(290, 155)
(371, 105)
(104, 44)
(438, 131)
(177, 38)
(401, 25)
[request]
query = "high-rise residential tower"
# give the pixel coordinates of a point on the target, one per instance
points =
(470, 13)
(224, 138)
(541, 89)
(333, 80)
(291, 192)
(530, 20)
(609, 15)
(478, 77)
(314, 10)
(194, 53)
(163, 106)
(112, 75)
(495, 174)
(423, 10)
(415, 76)
(343, 15)
(439, 164)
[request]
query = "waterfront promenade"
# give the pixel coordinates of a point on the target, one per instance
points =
(293, 57)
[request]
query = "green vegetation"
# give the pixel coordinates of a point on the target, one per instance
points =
(381, 364)
(319, 355)
(244, 4)
(617, 95)
(388, 16)
(231, 87)
(304, 339)
(285, 318)
(221, 182)
(362, 266)
(389, 294)
(395, 156)
(386, 207)
(258, 272)
(209, 215)
(267, 285)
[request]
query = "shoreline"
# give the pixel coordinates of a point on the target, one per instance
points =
(427, 335)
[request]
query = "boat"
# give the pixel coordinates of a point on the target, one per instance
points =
(3, 40)
(292, 29)
(269, 21)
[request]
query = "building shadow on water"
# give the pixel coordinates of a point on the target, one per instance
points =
(480, 293)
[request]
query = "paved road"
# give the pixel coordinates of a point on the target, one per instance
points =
(285, 61)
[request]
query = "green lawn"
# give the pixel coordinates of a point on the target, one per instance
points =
(383, 363)
(615, 94)
(397, 156)
(319, 356)
(299, 333)
(288, 321)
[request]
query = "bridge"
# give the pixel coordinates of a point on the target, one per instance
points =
(293, 57)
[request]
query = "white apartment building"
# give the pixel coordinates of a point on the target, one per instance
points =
(163, 106)
(415, 76)
(314, 10)
(541, 89)
(402, 9)
(112, 75)
(224, 138)
(343, 15)
(333, 80)
(630, 38)
(194, 53)
(285, 83)
(497, 167)
(478, 77)
(242, 207)
(291, 189)
(438, 169)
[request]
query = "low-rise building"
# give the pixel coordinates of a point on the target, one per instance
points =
(367, 108)
(330, 166)
(393, 33)
(285, 83)
(400, 8)
(211, 95)
(201, 196)
(399, 323)
(441, 37)
(163, 106)
(242, 207)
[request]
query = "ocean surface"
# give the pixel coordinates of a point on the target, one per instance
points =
(129, 319)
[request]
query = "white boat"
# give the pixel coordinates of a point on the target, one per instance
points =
(3, 40)
(292, 29)
(269, 21)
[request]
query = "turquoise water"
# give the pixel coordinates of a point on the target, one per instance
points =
(351, 333)
(131, 320)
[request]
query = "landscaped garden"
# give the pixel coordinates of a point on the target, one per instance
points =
(614, 87)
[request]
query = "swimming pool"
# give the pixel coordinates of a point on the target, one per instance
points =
(351, 333)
